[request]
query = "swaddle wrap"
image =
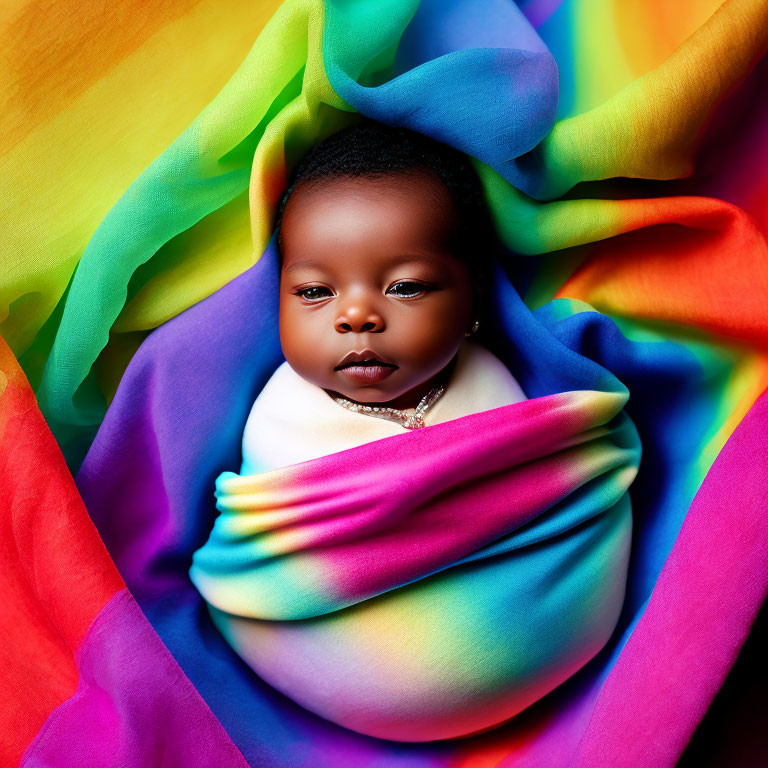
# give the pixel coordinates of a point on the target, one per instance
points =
(433, 583)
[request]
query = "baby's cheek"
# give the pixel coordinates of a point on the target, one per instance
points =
(433, 339)
(307, 340)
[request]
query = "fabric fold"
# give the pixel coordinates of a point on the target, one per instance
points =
(321, 535)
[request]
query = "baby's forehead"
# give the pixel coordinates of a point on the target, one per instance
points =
(333, 220)
(391, 203)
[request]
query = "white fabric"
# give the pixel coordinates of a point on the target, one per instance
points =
(293, 420)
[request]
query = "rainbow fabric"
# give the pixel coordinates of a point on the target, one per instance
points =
(623, 152)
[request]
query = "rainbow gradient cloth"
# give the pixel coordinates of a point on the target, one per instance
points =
(572, 581)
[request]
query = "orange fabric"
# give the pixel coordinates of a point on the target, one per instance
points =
(709, 268)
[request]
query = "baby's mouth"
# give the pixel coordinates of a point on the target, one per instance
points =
(367, 371)
(365, 364)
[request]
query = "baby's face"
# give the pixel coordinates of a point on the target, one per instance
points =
(368, 264)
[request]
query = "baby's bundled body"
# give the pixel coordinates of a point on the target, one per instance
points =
(401, 553)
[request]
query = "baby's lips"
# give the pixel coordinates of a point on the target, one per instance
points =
(368, 374)
(368, 363)
(363, 356)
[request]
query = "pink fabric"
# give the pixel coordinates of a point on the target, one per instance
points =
(133, 707)
(712, 585)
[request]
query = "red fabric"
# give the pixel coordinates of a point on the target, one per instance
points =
(55, 573)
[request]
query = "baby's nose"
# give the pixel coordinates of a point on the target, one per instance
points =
(354, 320)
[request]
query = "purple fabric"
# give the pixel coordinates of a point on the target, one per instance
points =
(172, 440)
(133, 707)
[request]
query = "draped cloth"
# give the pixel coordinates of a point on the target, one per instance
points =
(622, 151)
(496, 544)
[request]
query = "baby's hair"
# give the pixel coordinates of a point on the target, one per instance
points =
(369, 148)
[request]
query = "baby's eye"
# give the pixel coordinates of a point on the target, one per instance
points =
(314, 293)
(408, 288)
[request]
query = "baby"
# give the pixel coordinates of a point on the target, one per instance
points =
(412, 549)
(384, 251)
(383, 239)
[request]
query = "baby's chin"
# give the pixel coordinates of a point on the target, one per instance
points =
(365, 395)
(374, 396)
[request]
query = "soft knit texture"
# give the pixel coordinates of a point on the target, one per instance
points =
(293, 420)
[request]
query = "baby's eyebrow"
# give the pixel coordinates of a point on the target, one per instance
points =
(304, 265)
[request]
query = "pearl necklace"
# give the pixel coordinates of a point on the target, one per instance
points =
(410, 418)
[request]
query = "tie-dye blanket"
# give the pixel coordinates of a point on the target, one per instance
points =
(622, 150)
(498, 544)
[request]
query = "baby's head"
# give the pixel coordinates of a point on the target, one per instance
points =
(383, 237)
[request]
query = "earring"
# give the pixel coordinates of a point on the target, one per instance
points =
(473, 328)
